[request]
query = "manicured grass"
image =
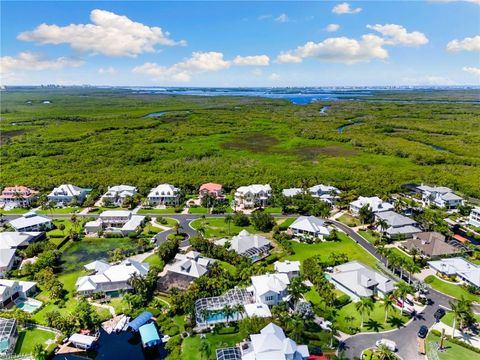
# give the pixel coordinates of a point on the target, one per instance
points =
(452, 352)
(453, 290)
(191, 346)
(170, 222)
(217, 227)
(349, 220)
(153, 259)
(285, 223)
(369, 235)
(325, 249)
(448, 318)
(372, 322)
(14, 211)
(273, 210)
(198, 210)
(229, 267)
(168, 210)
(65, 210)
(28, 338)
(402, 255)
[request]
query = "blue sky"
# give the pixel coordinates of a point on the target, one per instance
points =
(316, 43)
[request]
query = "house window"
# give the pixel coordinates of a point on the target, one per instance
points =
(268, 298)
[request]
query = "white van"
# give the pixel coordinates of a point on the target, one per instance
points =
(391, 345)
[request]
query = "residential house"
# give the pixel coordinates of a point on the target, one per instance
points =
(309, 226)
(184, 269)
(253, 196)
(270, 289)
(270, 344)
(440, 196)
(164, 194)
(253, 246)
(293, 192)
(15, 239)
(107, 278)
(326, 193)
(115, 195)
(7, 260)
(398, 226)
(15, 196)
(115, 221)
(212, 189)
(465, 270)
(291, 268)
(10, 290)
(358, 280)
(430, 244)
(375, 204)
(8, 336)
(474, 218)
(31, 222)
(64, 194)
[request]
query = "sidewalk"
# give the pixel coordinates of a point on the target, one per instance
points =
(469, 339)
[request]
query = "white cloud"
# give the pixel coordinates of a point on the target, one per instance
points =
(256, 60)
(467, 44)
(332, 27)
(27, 61)
(339, 50)
(273, 77)
(199, 62)
(109, 71)
(108, 34)
(472, 70)
(264, 17)
(282, 18)
(394, 34)
(344, 8)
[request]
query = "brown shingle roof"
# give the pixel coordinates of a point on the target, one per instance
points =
(430, 244)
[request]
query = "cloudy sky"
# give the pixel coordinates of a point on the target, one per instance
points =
(316, 43)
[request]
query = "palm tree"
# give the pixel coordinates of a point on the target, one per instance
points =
(177, 227)
(457, 312)
(412, 268)
(388, 304)
(74, 221)
(239, 309)
(403, 289)
(382, 224)
(296, 289)
(228, 220)
(205, 348)
(364, 306)
(228, 312)
(384, 353)
(204, 314)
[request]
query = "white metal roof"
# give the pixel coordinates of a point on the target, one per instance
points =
(270, 282)
(28, 220)
(310, 224)
(14, 239)
(286, 266)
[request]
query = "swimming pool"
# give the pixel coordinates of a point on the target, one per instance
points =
(28, 305)
(220, 317)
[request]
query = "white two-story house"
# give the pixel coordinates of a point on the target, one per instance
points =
(64, 194)
(117, 194)
(253, 196)
(474, 218)
(164, 194)
(270, 289)
(440, 196)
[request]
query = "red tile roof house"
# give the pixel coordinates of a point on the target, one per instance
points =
(17, 195)
(215, 190)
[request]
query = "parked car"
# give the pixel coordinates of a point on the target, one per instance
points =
(422, 332)
(439, 314)
(391, 345)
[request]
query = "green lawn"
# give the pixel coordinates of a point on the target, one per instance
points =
(65, 210)
(325, 249)
(170, 222)
(453, 351)
(14, 211)
(453, 290)
(402, 255)
(372, 322)
(448, 318)
(198, 210)
(168, 210)
(273, 210)
(369, 235)
(283, 224)
(153, 259)
(349, 220)
(218, 228)
(191, 346)
(28, 338)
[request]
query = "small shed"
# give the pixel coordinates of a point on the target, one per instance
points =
(81, 341)
(140, 320)
(149, 335)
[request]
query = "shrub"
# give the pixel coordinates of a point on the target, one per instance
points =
(240, 219)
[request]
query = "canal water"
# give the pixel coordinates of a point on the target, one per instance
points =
(123, 345)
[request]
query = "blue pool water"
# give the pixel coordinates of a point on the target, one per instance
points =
(219, 317)
(28, 305)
